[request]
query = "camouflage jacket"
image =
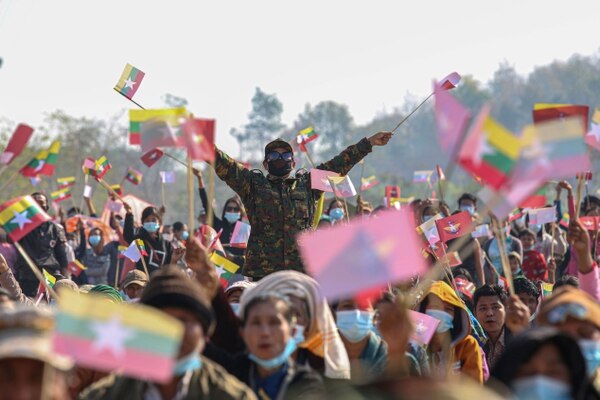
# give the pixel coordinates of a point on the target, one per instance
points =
(279, 209)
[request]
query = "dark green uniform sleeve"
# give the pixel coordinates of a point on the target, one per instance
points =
(343, 162)
(233, 174)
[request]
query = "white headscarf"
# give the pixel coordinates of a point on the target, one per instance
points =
(322, 337)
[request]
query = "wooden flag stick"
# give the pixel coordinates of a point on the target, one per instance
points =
(143, 259)
(578, 199)
(3, 168)
(131, 100)
(362, 174)
(85, 182)
(501, 238)
(9, 180)
(175, 159)
(110, 190)
(117, 275)
(36, 271)
(210, 194)
(308, 157)
(162, 191)
(412, 112)
(190, 188)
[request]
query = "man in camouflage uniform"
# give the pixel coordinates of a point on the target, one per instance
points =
(280, 206)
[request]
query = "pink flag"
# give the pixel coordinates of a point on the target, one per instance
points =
(319, 179)
(450, 81)
(425, 327)
(542, 215)
(347, 259)
(592, 138)
(451, 118)
(342, 186)
(114, 206)
(240, 235)
(16, 144)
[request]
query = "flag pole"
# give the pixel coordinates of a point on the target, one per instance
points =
(117, 275)
(412, 112)
(211, 194)
(362, 173)
(175, 159)
(142, 258)
(504, 258)
(162, 191)
(85, 182)
(190, 187)
(35, 270)
(577, 200)
(9, 180)
(110, 190)
(133, 101)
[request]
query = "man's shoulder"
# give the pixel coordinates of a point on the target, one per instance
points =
(226, 383)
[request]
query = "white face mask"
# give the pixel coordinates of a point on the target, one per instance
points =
(168, 237)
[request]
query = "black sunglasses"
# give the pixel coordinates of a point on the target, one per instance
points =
(287, 156)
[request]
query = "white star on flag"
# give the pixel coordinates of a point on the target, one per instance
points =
(595, 131)
(220, 270)
(111, 335)
(40, 165)
(482, 150)
(21, 219)
(129, 83)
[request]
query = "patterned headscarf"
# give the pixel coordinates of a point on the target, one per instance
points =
(109, 292)
(321, 335)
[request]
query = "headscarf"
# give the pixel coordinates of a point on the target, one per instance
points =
(108, 292)
(321, 335)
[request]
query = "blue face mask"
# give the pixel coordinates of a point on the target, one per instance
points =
(236, 308)
(122, 223)
(535, 227)
(446, 320)
(540, 387)
(336, 214)
(591, 353)
(151, 226)
(94, 240)
(232, 217)
(185, 235)
(279, 360)
(355, 325)
(190, 362)
(470, 209)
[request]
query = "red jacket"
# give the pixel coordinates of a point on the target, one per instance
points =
(534, 266)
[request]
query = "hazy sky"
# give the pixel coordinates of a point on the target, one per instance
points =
(61, 54)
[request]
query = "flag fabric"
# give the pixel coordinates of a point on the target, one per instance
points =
(61, 195)
(424, 327)
(117, 189)
(305, 136)
(422, 176)
(368, 183)
(134, 176)
(134, 339)
(592, 138)
(348, 259)
(510, 196)
(542, 215)
(133, 252)
(451, 118)
(167, 176)
(87, 191)
(490, 151)
(590, 223)
(515, 214)
(449, 81)
(392, 197)
(150, 158)
(482, 231)
(225, 268)
(342, 186)
(162, 123)
(454, 226)
(89, 166)
(141, 246)
(429, 229)
(76, 267)
(199, 138)
(43, 163)
(20, 216)
(113, 206)
(547, 289)
(130, 81)
(536, 200)
(547, 111)
(319, 179)
(65, 182)
(240, 235)
(18, 141)
(102, 167)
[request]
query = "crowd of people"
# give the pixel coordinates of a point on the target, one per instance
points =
(270, 333)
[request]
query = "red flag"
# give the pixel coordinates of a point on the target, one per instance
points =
(454, 226)
(451, 118)
(450, 81)
(535, 201)
(199, 138)
(158, 133)
(16, 144)
(151, 157)
(562, 111)
(392, 196)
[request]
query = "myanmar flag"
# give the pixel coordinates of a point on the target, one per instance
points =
(172, 116)
(305, 136)
(61, 195)
(130, 81)
(65, 182)
(490, 151)
(20, 216)
(134, 176)
(225, 268)
(102, 167)
(43, 163)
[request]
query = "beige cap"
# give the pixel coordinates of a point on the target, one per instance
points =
(26, 332)
(135, 276)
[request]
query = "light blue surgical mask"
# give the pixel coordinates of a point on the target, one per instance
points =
(236, 308)
(190, 362)
(151, 226)
(446, 320)
(336, 214)
(426, 218)
(232, 217)
(279, 360)
(122, 223)
(94, 239)
(355, 325)
(535, 227)
(591, 353)
(185, 235)
(470, 209)
(541, 387)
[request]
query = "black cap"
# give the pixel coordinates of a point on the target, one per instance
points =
(277, 144)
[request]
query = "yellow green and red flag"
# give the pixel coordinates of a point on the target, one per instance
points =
(43, 163)
(306, 135)
(134, 176)
(65, 182)
(102, 167)
(174, 117)
(225, 268)
(20, 216)
(136, 340)
(61, 195)
(130, 81)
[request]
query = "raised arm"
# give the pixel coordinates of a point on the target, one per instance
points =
(233, 173)
(343, 162)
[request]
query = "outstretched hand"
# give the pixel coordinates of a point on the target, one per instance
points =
(198, 261)
(380, 138)
(517, 314)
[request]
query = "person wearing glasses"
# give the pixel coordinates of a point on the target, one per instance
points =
(282, 204)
